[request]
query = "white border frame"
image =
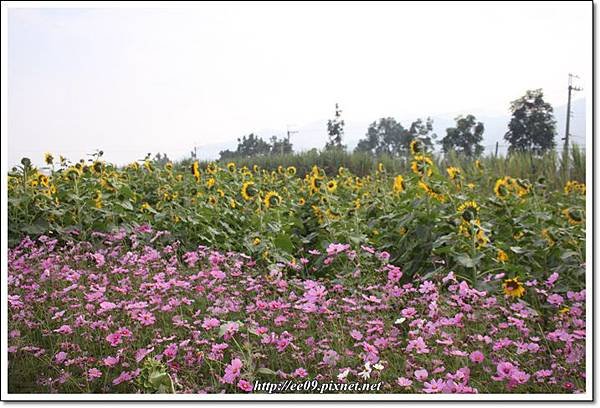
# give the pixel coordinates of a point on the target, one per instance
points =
(5, 396)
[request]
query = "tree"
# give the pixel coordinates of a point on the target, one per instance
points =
(532, 126)
(387, 136)
(465, 138)
(280, 146)
(335, 130)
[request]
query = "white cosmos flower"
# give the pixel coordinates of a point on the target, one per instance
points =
(378, 367)
(342, 376)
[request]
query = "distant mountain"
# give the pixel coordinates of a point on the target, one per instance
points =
(314, 134)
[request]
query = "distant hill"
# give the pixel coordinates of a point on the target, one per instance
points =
(314, 134)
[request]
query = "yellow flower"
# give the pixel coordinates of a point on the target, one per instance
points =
(502, 256)
(43, 180)
(97, 167)
(421, 166)
(210, 182)
(380, 168)
(478, 165)
(256, 241)
(231, 167)
(417, 147)
(98, 199)
(301, 201)
(315, 184)
(72, 173)
(211, 168)
(145, 207)
(248, 191)
(399, 186)
(212, 200)
(453, 173)
(471, 186)
(502, 188)
(575, 186)
(148, 165)
(573, 215)
(169, 166)
(357, 203)
(548, 236)
(196, 171)
(331, 186)
(291, 171)
(469, 211)
(221, 193)
(432, 192)
(564, 310)
(481, 238)
(272, 199)
(255, 168)
(48, 158)
(232, 203)
(513, 288)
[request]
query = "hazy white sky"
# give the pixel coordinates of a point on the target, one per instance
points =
(132, 81)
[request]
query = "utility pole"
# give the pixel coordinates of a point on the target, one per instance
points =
(566, 138)
(496, 154)
(289, 133)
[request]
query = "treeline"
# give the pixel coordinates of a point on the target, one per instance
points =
(531, 129)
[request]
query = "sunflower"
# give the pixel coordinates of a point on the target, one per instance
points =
(249, 190)
(453, 172)
(169, 166)
(380, 168)
(196, 171)
(210, 182)
(501, 256)
(301, 201)
(357, 203)
(133, 166)
(212, 200)
(574, 216)
(315, 184)
(416, 147)
(211, 168)
(342, 171)
(48, 158)
(255, 168)
(513, 288)
(331, 186)
(469, 211)
(575, 186)
(73, 173)
(548, 236)
(221, 193)
(43, 180)
(272, 199)
(399, 185)
(97, 167)
(481, 238)
(231, 167)
(145, 207)
(291, 171)
(478, 165)
(502, 188)
(98, 199)
(432, 192)
(256, 241)
(421, 166)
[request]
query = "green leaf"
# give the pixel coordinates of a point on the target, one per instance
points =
(284, 243)
(466, 261)
(267, 371)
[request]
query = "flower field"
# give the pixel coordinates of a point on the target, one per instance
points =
(205, 278)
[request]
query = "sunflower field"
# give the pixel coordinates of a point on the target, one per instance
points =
(199, 277)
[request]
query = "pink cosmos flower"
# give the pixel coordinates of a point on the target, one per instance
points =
(94, 373)
(356, 335)
(421, 375)
(60, 357)
(555, 299)
(232, 371)
(245, 385)
(300, 372)
(404, 382)
(146, 318)
(210, 323)
(114, 339)
(477, 357)
(504, 370)
(111, 361)
(434, 386)
(64, 329)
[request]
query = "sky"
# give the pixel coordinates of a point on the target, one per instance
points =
(136, 80)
